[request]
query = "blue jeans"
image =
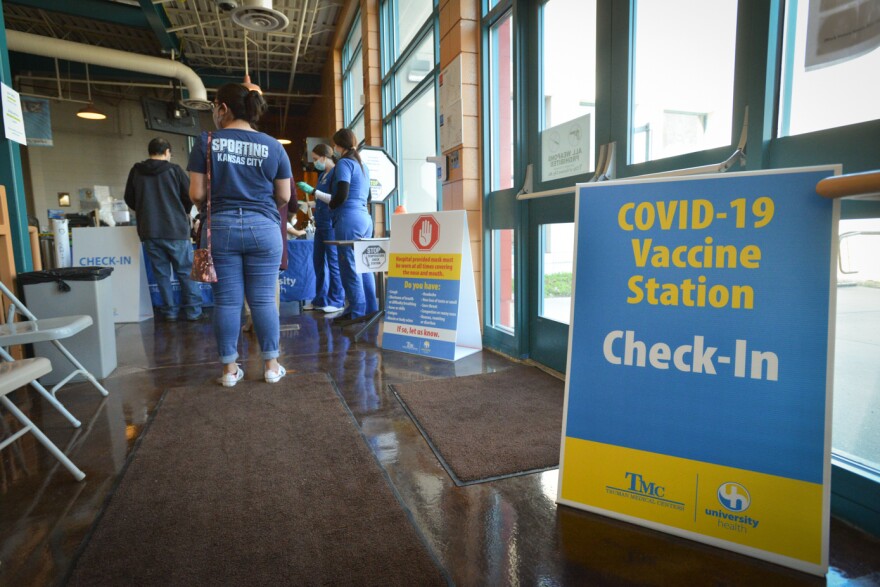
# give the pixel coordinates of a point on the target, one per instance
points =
(246, 247)
(360, 289)
(171, 256)
(328, 285)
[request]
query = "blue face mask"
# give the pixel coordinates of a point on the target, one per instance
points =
(319, 166)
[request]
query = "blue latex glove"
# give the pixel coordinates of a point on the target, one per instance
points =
(305, 187)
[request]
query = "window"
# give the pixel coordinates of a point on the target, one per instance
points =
(557, 266)
(409, 103)
(418, 140)
(411, 16)
(682, 97)
(501, 101)
(503, 279)
(569, 85)
(417, 67)
(856, 428)
(829, 92)
(353, 80)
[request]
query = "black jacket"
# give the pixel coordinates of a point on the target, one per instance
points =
(158, 192)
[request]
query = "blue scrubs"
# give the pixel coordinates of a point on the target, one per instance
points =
(352, 221)
(328, 285)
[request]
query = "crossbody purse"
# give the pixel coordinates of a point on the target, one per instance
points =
(203, 263)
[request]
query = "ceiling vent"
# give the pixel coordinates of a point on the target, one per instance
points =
(258, 15)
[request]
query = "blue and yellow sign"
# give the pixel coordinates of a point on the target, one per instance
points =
(699, 403)
(431, 300)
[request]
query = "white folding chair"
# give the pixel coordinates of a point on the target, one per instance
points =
(20, 373)
(48, 329)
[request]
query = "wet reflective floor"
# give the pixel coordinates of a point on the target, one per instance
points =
(505, 532)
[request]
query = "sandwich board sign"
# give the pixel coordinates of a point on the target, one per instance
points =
(703, 327)
(431, 298)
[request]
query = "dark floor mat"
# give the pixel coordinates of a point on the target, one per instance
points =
(256, 485)
(488, 426)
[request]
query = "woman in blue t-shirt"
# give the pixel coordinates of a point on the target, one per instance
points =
(347, 199)
(250, 178)
(329, 295)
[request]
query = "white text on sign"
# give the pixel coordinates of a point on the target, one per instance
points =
(689, 358)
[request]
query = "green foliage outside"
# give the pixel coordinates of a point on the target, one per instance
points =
(557, 285)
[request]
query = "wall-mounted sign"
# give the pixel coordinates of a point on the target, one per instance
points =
(13, 122)
(700, 360)
(451, 114)
(565, 149)
(383, 172)
(37, 121)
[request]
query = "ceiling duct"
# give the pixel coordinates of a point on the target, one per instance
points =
(258, 15)
(70, 51)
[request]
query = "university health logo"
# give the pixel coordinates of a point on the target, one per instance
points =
(734, 497)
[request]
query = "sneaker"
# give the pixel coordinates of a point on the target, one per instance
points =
(309, 306)
(331, 309)
(230, 379)
(275, 376)
(198, 318)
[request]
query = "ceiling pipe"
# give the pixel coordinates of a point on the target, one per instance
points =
(59, 49)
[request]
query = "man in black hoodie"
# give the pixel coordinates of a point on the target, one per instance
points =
(158, 191)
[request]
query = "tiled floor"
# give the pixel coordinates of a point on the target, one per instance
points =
(507, 532)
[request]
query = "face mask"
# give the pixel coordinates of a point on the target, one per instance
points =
(338, 152)
(319, 166)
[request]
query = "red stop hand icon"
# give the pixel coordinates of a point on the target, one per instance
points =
(425, 233)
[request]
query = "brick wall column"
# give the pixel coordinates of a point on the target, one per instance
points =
(372, 73)
(460, 36)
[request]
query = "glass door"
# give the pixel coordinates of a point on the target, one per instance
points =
(551, 267)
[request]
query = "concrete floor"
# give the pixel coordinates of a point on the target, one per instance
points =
(506, 532)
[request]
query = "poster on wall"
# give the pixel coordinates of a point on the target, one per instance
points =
(840, 31)
(565, 149)
(431, 297)
(702, 326)
(37, 121)
(13, 123)
(450, 112)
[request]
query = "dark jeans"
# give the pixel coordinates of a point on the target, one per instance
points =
(169, 257)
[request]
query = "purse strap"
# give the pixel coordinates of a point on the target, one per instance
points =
(208, 151)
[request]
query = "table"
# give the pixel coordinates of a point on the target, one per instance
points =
(297, 281)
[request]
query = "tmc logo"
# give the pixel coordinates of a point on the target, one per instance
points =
(734, 497)
(638, 484)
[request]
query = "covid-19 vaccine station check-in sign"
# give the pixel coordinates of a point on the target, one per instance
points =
(699, 400)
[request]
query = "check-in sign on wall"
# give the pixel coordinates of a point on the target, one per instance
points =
(699, 400)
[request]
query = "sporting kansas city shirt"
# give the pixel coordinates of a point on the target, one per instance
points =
(244, 166)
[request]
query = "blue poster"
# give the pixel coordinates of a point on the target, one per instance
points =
(37, 121)
(701, 330)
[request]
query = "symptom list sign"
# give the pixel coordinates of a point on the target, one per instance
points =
(702, 325)
(431, 300)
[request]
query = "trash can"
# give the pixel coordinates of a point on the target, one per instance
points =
(68, 291)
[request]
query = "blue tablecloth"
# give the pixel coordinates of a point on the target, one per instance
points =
(297, 281)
